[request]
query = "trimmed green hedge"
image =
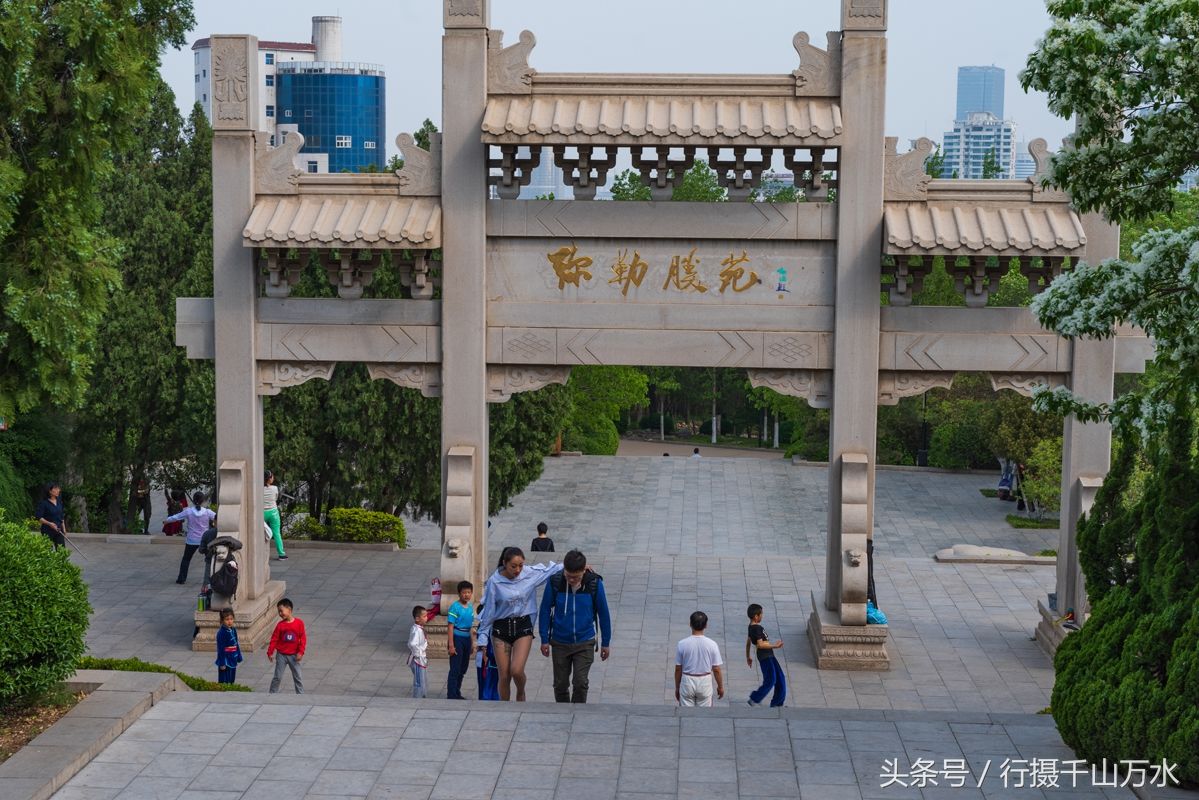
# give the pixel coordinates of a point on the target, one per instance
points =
(43, 614)
(137, 665)
(360, 525)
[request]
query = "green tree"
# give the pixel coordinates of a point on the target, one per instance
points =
(699, 185)
(599, 394)
(934, 165)
(627, 185)
(1042, 482)
(991, 167)
(72, 75)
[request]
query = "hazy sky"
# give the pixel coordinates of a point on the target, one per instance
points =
(928, 41)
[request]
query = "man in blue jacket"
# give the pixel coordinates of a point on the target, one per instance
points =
(574, 600)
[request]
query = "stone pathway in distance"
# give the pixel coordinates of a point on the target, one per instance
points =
(282, 748)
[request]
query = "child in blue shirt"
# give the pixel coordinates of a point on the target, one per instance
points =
(459, 621)
(487, 670)
(228, 651)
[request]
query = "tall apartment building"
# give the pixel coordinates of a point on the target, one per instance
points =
(337, 105)
(979, 127)
(980, 89)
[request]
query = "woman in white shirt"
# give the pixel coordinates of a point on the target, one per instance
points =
(270, 510)
(510, 616)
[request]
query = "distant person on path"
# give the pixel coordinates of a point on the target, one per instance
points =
(228, 651)
(486, 670)
(697, 662)
(52, 515)
(270, 511)
(197, 519)
(289, 641)
(695, 453)
(418, 652)
(459, 641)
(543, 543)
(772, 671)
(176, 502)
(574, 599)
(507, 621)
(141, 504)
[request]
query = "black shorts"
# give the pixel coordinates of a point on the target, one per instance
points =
(509, 629)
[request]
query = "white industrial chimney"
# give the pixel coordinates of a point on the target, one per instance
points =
(326, 35)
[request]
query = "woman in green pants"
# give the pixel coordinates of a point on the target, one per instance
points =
(270, 510)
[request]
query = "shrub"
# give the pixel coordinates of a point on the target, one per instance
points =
(307, 527)
(594, 436)
(651, 422)
(360, 525)
(14, 501)
(43, 614)
(1043, 478)
(959, 444)
(137, 665)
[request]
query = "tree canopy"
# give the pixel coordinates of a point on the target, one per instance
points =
(72, 75)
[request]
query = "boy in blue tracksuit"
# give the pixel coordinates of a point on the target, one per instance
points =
(574, 599)
(228, 651)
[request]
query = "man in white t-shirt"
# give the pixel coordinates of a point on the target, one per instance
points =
(696, 662)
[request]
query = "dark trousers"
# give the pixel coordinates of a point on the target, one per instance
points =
(227, 675)
(568, 658)
(189, 550)
(772, 678)
(459, 663)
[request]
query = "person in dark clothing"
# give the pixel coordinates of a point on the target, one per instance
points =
(574, 601)
(228, 651)
(51, 514)
(140, 500)
(543, 543)
(773, 676)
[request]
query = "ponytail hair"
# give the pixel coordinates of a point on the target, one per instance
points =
(507, 554)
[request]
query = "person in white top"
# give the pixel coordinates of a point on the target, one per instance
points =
(697, 662)
(418, 651)
(510, 616)
(270, 511)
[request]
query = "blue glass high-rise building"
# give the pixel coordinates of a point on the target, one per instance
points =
(980, 89)
(338, 107)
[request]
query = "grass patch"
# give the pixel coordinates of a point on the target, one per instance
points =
(989, 492)
(1017, 521)
(21, 724)
(1046, 710)
(1047, 553)
(137, 665)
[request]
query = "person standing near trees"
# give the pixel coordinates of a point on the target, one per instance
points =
(197, 519)
(141, 504)
(51, 515)
(270, 511)
(509, 616)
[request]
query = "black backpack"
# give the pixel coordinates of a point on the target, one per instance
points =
(591, 582)
(224, 580)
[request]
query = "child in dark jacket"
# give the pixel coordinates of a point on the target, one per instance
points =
(228, 651)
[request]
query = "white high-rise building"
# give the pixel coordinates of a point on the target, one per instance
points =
(967, 145)
(270, 53)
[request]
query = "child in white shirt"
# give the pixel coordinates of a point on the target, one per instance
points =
(418, 651)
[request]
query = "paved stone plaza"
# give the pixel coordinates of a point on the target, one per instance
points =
(669, 536)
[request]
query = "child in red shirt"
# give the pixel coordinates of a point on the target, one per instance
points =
(289, 642)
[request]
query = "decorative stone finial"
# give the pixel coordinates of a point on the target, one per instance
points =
(864, 15)
(274, 167)
(234, 82)
(904, 176)
(421, 174)
(1042, 191)
(466, 13)
(819, 72)
(508, 70)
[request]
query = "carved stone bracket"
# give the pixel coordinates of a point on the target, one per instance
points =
(904, 176)
(232, 513)
(414, 274)
(1040, 272)
(975, 279)
(584, 173)
(505, 381)
(274, 167)
(1025, 383)
(1041, 193)
(909, 273)
(425, 378)
(515, 170)
(739, 175)
(421, 174)
(349, 273)
(819, 73)
(233, 93)
(660, 172)
(813, 385)
(281, 272)
(895, 385)
(855, 530)
(508, 70)
(275, 376)
(458, 533)
(808, 172)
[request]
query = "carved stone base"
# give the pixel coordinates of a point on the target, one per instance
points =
(1049, 633)
(254, 620)
(859, 648)
(435, 632)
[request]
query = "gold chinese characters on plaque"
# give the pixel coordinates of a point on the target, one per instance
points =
(629, 270)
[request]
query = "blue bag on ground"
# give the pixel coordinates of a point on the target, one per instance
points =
(873, 615)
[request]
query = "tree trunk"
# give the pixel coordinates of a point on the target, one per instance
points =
(662, 418)
(713, 406)
(776, 430)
